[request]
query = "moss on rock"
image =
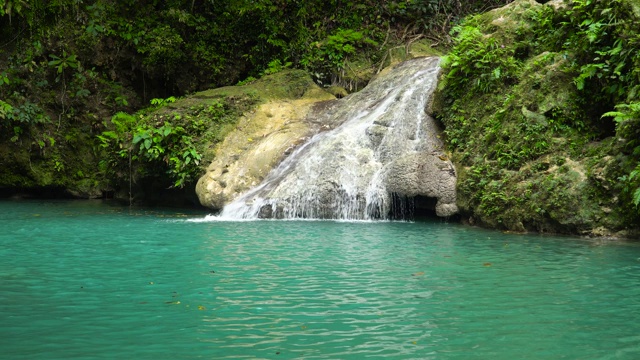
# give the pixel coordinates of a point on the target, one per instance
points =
(531, 155)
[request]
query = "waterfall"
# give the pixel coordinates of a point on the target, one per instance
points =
(343, 173)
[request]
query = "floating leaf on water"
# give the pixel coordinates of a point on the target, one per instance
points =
(200, 307)
(486, 264)
(172, 302)
(419, 273)
(150, 282)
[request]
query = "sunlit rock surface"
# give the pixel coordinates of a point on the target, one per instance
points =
(259, 142)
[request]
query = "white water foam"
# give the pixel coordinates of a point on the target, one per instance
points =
(338, 174)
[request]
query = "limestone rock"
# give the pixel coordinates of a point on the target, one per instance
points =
(381, 148)
(424, 174)
(260, 140)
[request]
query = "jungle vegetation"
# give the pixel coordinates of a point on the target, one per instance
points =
(542, 110)
(533, 102)
(79, 77)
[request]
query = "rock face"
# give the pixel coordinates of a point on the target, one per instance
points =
(380, 145)
(424, 174)
(531, 153)
(258, 143)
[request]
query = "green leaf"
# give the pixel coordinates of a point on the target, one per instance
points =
(636, 197)
(147, 143)
(612, 114)
(108, 135)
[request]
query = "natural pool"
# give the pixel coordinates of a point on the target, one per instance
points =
(89, 280)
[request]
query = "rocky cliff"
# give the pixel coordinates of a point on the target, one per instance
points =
(524, 121)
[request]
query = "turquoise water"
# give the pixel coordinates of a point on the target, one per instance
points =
(87, 280)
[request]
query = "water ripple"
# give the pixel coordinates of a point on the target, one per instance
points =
(110, 285)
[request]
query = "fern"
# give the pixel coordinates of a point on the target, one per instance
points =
(636, 197)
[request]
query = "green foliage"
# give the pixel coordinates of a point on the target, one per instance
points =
(29, 113)
(80, 62)
(331, 53)
(6, 111)
(518, 92)
(171, 145)
(158, 103)
(64, 62)
(275, 66)
(9, 7)
(190, 45)
(161, 47)
(4, 78)
(436, 16)
(160, 145)
(605, 44)
(478, 62)
(246, 81)
(25, 115)
(605, 38)
(151, 147)
(627, 118)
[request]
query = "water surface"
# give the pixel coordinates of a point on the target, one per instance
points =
(88, 280)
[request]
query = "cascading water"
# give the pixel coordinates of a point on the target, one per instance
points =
(343, 173)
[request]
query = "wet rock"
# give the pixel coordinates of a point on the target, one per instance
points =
(424, 174)
(259, 142)
(382, 146)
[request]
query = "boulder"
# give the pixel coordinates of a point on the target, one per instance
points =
(259, 141)
(424, 174)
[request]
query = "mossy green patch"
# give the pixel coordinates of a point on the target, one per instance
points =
(531, 153)
(289, 84)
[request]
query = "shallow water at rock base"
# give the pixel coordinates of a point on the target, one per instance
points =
(88, 280)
